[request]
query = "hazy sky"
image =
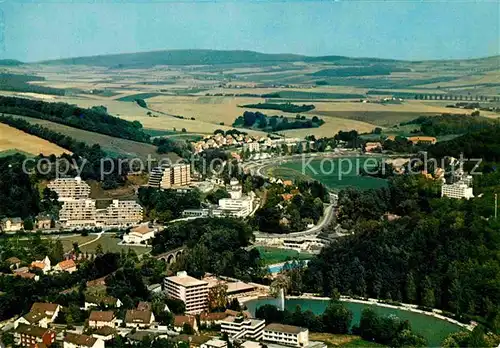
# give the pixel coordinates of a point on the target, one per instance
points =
(405, 29)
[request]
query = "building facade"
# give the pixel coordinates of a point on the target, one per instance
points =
(78, 213)
(120, 213)
(193, 292)
(240, 327)
(30, 336)
(287, 335)
(169, 176)
(70, 188)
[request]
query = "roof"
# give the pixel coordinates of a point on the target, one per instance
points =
(180, 320)
(44, 307)
(213, 316)
(215, 342)
(287, 182)
(26, 275)
(101, 316)
(21, 270)
(38, 264)
(80, 340)
(104, 331)
(421, 138)
(142, 229)
(31, 330)
(134, 316)
(284, 328)
(186, 280)
(14, 220)
(246, 314)
(144, 306)
(238, 286)
(13, 260)
(66, 264)
(139, 335)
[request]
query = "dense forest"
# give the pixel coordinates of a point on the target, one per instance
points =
(452, 124)
(215, 245)
(95, 167)
(165, 205)
(95, 119)
(290, 209)
(261, 121)
(440, 252)
(285, 107)
(19, 83)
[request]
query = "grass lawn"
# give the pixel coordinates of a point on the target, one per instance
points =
(272, 255)
(332, 340)
(109, 243)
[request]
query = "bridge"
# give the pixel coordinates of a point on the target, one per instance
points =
(171, 256)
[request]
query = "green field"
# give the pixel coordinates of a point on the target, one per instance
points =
(108, 241)
(272, 255)
(335, 173)
(13, 152)
(313, 95)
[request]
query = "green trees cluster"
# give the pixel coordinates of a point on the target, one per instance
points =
(452, 124)
(95, 119)
(165, 205)
(166, 145)
(282, 216)
(215, 245)
(275, 123)
(440, 252)
(285, 107)
(20, 83)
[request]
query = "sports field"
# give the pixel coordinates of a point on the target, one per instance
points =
(271, 255)
(335, 173)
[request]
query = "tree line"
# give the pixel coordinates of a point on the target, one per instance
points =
(285, 107)
(95, 119)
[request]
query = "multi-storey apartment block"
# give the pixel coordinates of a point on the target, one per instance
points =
(169, 176)
(31, 336)
(70, 188)
(193, 292)
(120, 213)
(78, 213)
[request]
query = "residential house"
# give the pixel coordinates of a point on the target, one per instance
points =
(43, 265)
(40, 314)
(13, 262)
(139, 319)
(43, 222)
(139, 235)
(287, 335)
(65, 266)
(30, 336)
(99, 319)
(211, 319)
(11, 224)
(372, 146)
(104, 333)
(181, 320)
(106, 302)
(72, 340)
(144, 306)
(422, 140)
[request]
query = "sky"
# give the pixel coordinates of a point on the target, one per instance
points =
(401, 29)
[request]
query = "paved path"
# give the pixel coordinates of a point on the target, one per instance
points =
(99, 235)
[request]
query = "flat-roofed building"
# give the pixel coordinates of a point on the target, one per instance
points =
(240, 207)
(120, 213)
(286, 334)
(193, 292)
(70, 188)
(169, 176)
(457, 190)
(78, 213)
(241, 327)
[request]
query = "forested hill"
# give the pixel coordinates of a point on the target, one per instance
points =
(214, 57)
(484, 144)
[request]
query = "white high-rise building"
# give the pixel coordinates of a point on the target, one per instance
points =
(193, 292)
(459, 189)
(70, 188)
(78, 213)
(120, 213)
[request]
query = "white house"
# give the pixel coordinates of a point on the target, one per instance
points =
(11, 224)
(99, 319)
(286, 334)
(41, 314)
(139, 319)
(214, 343)
(82, 341)
(65, 266)
(43, 265)
(139, 234)
(240, 327)
(107, 301)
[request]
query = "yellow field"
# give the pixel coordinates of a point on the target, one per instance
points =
(12, 138)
